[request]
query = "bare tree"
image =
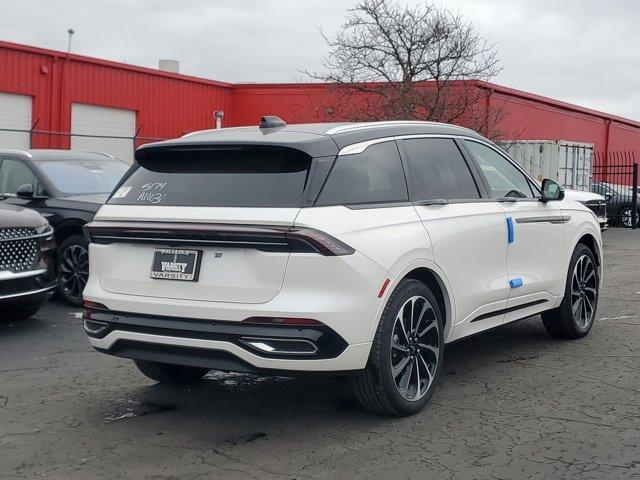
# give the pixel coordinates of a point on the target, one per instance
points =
(397, 62)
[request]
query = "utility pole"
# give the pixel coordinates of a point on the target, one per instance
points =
(70, 32)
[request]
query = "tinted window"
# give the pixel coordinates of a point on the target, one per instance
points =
(13, 174)
(599, 189)
(438, 170)
(217, 177)
(373, 176)
(504, 179)
(86, 176)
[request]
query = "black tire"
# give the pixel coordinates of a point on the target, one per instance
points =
(563, 322)
(73, 269)
(171, 374)
(20, 312)
(376, 387)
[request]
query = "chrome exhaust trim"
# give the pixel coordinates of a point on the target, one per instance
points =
(281, 346)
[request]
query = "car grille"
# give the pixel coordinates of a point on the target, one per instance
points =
(599, 207)
(18, 285)
(12, 233)
(18, 253)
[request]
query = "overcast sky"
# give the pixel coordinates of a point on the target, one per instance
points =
(580, 51)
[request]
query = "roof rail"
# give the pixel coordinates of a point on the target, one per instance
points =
(96, 152)
(368, 125)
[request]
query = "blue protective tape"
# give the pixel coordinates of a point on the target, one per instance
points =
(511, 234)
(515, 283)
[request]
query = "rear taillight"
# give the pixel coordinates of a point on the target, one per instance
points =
(320, 241)
(274, 238)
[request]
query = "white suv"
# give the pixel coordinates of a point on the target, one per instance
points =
(357, 249)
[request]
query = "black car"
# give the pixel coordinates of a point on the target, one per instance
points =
(619, 203)
(27, 276)
(67, 188)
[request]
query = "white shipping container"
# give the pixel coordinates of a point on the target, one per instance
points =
(568, 163)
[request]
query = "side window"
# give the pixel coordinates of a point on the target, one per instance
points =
(13, 174)
(438, 170)
(373, 176)
(505, 180)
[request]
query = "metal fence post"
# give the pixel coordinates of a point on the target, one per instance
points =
(31, 132)
(634, 196)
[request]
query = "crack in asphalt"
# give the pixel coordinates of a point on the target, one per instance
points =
(499, 416)
(570, 372)
(536, 417)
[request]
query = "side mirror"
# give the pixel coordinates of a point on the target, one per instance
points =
(25, 191)
(551, 191)
(608, 195)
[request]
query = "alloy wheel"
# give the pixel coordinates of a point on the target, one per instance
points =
(584, 291)
(74, 270)
(415, 348)
(626, 217)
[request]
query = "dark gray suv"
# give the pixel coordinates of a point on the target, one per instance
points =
(67, 188)
(619, 203)
(27, 276)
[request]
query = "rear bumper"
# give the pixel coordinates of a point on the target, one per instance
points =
(228, 346)
(340, 292)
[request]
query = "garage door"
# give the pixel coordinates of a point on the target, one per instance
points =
(103, 122)
(15, 114)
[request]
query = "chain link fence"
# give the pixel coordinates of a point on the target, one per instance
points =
(119, 146)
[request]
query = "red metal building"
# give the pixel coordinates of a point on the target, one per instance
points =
(166, 105)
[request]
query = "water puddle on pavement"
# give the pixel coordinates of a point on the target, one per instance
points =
(133, 408)
(241, 380)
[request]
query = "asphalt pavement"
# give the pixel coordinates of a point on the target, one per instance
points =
(512, 404)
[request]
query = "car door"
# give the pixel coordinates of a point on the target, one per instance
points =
(535, 251)
(467, 232)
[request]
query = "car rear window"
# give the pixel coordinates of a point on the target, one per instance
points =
(373, 176)
(216, 177)
(84, 176)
